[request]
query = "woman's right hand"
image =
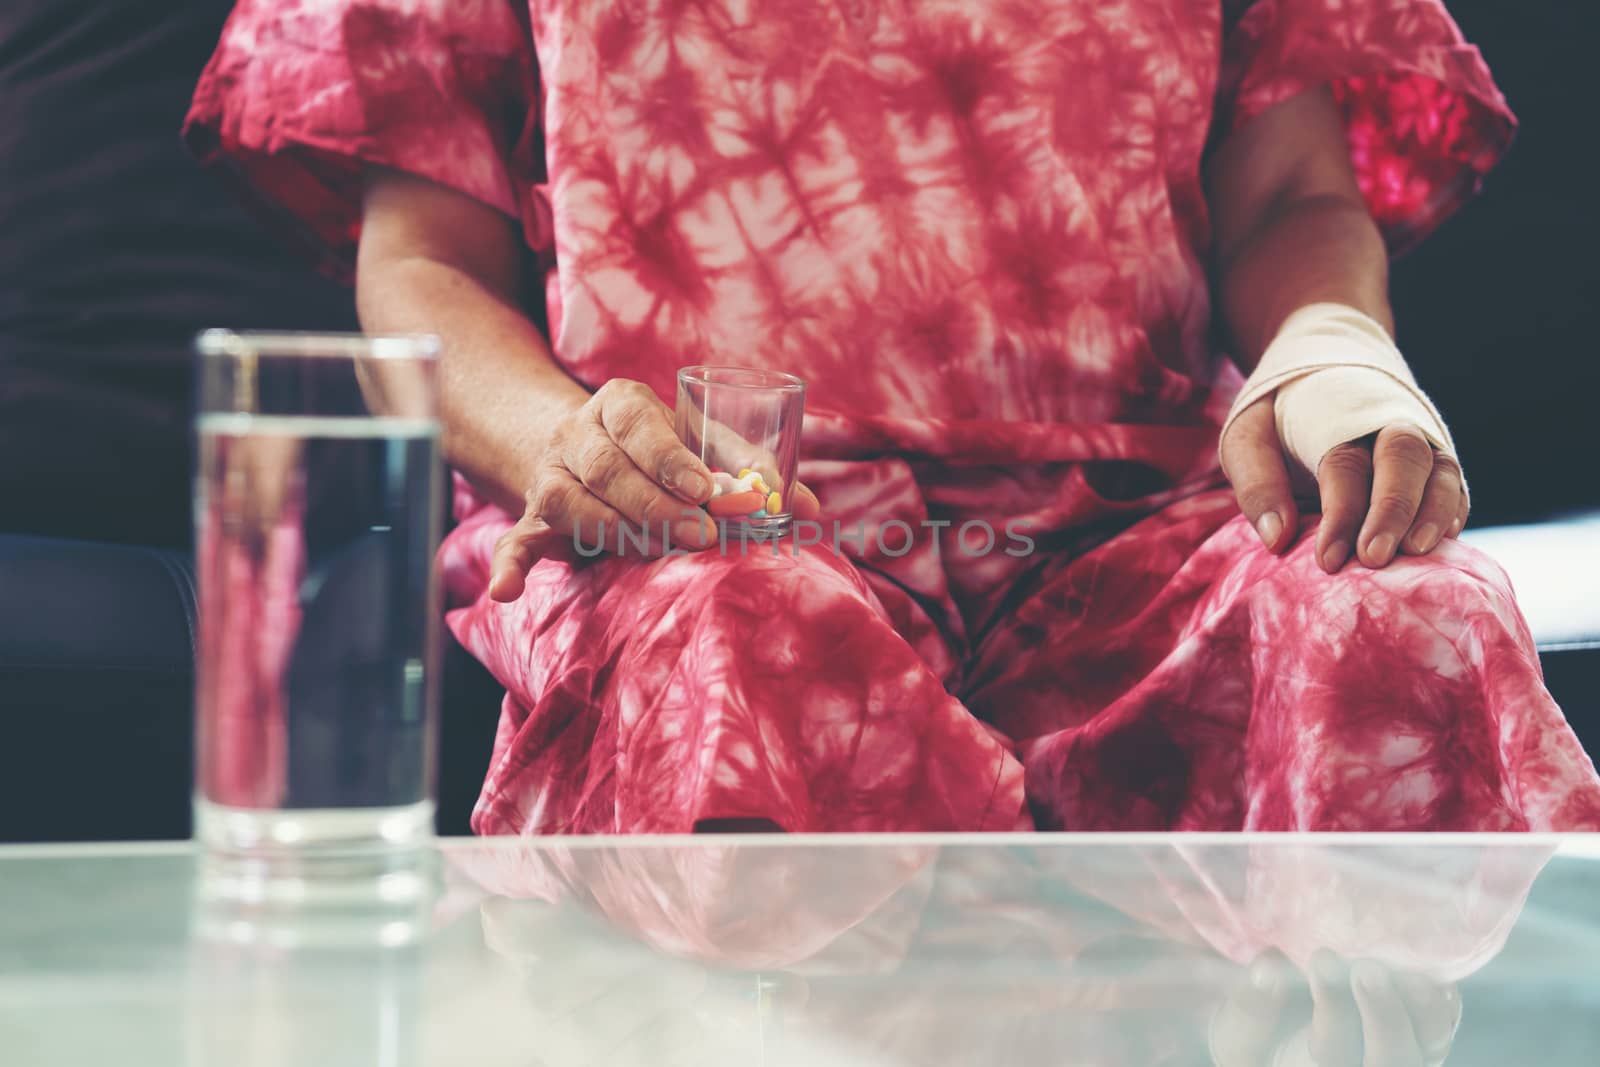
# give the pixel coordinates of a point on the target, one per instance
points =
(615, 461)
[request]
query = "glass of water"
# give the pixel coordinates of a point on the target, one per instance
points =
(745, 425)
(317, 509)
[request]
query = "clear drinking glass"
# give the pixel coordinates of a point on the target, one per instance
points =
(745, 425)
(317, 513)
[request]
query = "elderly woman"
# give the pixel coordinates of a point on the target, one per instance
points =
(1006, 244)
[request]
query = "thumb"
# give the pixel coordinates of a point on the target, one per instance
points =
(1252, 458)
(515, 553)
(1245, 1024)
(806, 506)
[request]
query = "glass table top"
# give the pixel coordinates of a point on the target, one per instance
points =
(997, 950)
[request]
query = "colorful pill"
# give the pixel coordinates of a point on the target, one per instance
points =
(774, 503)
(730, 504)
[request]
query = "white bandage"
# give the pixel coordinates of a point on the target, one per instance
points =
(1336, 376)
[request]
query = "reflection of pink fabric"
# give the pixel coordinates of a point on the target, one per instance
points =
(803, 908)
(1440, 911)
(1098, 954)
(980, 234)
(249, 617)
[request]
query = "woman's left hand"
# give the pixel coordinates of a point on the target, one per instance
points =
(1382, 495)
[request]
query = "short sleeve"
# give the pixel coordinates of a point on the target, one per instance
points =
(1423, 116)
(300, 95)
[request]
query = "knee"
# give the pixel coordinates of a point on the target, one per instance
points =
(1386, 682)
(1416, 641)
(1446, 604)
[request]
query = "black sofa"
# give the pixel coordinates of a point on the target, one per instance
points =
(114, 249)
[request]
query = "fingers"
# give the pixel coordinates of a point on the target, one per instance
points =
(568, 506)
(1252, 458)
(1442, 501)
(515, 553)
(1463, 509)
(1243, 1028)
(1335, 1037)
(624, 451)
(264, 478)
(641, 425)
(1435, 1010)
(807, 508)
(609, 474)
(1402, 460)
(1386, 1024)
(560, 514)
(1399, 495)
(1344, 481)
(615, 469)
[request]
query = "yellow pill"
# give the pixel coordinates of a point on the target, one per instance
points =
(746, 472)
(774, 504)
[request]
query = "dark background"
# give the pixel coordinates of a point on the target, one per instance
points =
(114, 251)
(1497, 310)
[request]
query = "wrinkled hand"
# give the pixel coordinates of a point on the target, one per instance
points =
(614, 462)
(1380, 496)
(1361, 1015)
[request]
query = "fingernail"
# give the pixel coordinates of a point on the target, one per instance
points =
(1334, 556)
(502, 587)
(1455, 527)
(1269, 526)
(1424, 537)
(1381, 548)
(689, 484)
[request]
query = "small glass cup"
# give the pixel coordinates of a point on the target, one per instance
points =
(745, 425)
(318, 509)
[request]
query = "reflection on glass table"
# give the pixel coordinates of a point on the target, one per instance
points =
(914, 950)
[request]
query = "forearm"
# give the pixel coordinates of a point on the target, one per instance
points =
(500, 389)
(1317, 249)
(1292, 229)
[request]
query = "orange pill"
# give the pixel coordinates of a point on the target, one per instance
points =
(774, 503)
(730, 504)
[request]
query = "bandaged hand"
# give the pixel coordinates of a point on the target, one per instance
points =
(1333, 410)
